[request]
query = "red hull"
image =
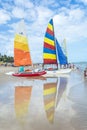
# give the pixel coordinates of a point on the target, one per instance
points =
(29, 74)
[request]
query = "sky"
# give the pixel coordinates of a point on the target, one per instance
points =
(70, 23)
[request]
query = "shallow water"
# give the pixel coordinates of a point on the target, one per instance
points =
(46, 104)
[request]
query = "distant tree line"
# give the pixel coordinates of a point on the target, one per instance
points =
(5, 58)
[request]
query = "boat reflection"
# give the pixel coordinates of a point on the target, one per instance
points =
(53, 89)
(22, 100)
(61, 88)
(49, 95)
(52, 93)
(36, 78)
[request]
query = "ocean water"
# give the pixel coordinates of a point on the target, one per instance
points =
(43, 103)
(81, 65)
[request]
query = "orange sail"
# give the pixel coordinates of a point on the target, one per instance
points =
(22, 55)
(22, 100)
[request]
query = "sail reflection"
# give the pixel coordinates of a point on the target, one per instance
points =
(52, 93)
(49, 93)
(61, 88)
(22, 100)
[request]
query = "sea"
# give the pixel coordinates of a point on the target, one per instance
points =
(81, 65)
(57, 103)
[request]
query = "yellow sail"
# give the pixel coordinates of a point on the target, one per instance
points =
(22, 55)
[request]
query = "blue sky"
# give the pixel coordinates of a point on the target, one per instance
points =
(70, 22)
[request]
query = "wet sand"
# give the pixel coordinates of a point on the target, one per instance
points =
(29, 104)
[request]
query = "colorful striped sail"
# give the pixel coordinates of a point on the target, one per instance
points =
(49, 93)
(22, 55)
(49, 49)
(22, 100)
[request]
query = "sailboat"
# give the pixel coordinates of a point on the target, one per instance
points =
(22, 101)
(52, 52)
(22, 56)
(49, 98)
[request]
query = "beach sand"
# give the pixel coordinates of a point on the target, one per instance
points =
(23, 106)
(6, 69)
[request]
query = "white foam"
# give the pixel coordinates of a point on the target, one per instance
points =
(9, 73)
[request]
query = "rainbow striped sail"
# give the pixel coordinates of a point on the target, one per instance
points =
(49, 50)
(22, 55)
(49, 93)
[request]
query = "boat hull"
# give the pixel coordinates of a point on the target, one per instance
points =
(58, 73)
(29, 74)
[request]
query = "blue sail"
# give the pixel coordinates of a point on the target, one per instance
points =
(61, 56)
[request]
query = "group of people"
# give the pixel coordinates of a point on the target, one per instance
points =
(72, 66)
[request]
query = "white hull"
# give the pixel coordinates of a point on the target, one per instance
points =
(58, 73)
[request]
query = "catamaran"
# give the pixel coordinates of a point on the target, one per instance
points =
(22, 56)
(52, 53)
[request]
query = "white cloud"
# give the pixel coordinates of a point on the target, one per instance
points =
(49, 3)
(73, 25)
(84, 1)
(39, 25)
(4, 16)
(76, 15)
(36, 47)
(18, 12)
